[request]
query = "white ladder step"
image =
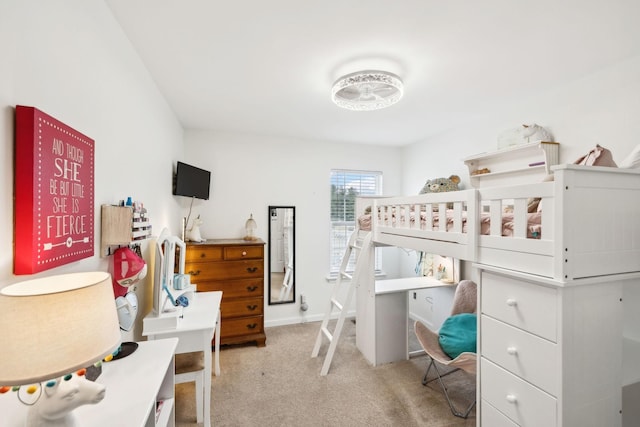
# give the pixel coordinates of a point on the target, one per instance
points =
(342, 306)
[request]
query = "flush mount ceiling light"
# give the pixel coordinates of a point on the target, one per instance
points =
(367, 90)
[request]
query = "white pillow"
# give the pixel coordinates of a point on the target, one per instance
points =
(633, 160)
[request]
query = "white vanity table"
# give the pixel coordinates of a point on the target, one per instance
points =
(195, 330)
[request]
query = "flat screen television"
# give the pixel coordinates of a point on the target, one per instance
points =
(191, 181)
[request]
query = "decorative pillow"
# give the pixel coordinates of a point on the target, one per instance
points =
(439, 185)
(633, 159)
(458, 334)
(598, 156)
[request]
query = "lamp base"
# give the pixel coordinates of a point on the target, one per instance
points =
(56, 404)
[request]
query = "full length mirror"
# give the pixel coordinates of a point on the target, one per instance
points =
(282, 260)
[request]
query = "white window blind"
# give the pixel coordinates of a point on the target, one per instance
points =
(346, 185)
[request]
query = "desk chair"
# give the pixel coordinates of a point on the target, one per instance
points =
(464, 301)
(190, 367)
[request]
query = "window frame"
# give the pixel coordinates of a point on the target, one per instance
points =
(341, 225)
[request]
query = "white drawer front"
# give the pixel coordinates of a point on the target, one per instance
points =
(523, 403)
(491, 417)
(528, 356)
(521, 304)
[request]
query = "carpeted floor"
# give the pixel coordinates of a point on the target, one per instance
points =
(280, 385)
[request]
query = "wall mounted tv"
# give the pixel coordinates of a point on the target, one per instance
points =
(191, 181)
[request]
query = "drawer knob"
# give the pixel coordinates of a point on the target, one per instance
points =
(512, 302)
(512, 351)
(194, 273)
(512, 399)
(244, 253)
(252, 326)
(252, 269)
(252, 288)
(252, 307)
(202, 255)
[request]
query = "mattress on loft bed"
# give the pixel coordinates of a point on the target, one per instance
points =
(534, 227)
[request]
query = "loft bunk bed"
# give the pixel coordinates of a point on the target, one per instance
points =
(555, 261)
(585, 224)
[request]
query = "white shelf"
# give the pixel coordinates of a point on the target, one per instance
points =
(166, 411)
(388, 286)
(122, 226)
(524, 163)
(134, 384)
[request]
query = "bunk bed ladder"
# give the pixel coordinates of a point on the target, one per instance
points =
(360, 246)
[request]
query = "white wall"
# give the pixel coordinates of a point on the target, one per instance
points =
(249, 173)
(601, 108)
(71, 60)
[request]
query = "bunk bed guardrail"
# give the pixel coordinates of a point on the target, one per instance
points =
(586, 224)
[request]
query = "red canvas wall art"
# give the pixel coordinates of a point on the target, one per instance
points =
(53, 208)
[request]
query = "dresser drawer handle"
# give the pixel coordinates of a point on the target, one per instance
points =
(244, 253)
(252, 326)
(203, 255)
(252, 288)
(252, 269)
(512, 302)
(512, 399)
(512, 351)
(252, 307)
(194, 273)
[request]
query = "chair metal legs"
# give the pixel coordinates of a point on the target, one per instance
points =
(438, 377)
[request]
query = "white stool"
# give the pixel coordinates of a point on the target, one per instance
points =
(190, 367)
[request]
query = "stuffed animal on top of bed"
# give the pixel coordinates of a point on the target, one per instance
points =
(439, 185)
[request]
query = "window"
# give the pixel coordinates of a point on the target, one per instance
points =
(346, 185)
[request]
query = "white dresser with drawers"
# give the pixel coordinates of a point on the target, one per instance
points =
(550, 352)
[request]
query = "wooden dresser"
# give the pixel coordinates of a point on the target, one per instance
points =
(235, 267)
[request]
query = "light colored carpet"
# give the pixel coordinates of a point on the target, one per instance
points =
(280, 385)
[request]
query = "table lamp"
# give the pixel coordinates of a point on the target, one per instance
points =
(51, 328)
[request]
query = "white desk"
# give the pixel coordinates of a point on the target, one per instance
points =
(134, 384)
(194, 332)
(382, 317)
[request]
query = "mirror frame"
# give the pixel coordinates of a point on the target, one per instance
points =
(270, 252)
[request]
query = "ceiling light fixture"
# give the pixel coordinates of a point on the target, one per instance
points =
(367, 90)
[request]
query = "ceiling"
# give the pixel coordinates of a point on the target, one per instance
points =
(266, 67)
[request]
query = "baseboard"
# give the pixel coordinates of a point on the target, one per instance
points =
(303, 319)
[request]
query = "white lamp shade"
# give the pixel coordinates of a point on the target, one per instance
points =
(56, 325)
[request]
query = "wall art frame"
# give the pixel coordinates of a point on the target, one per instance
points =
(53, 193)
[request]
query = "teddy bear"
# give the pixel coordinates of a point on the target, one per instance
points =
(439, 185)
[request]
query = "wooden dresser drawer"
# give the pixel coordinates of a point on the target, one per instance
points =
(243, 252)
(241, 326)
(225, 270)
(528, 356)
(235, 267)
(234, 288)
(491, 417)
(523, 403)
(242, 307)
(522, 304)
(203, 253)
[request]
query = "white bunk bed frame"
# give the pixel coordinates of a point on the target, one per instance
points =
(590, 224)
(590, 234)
